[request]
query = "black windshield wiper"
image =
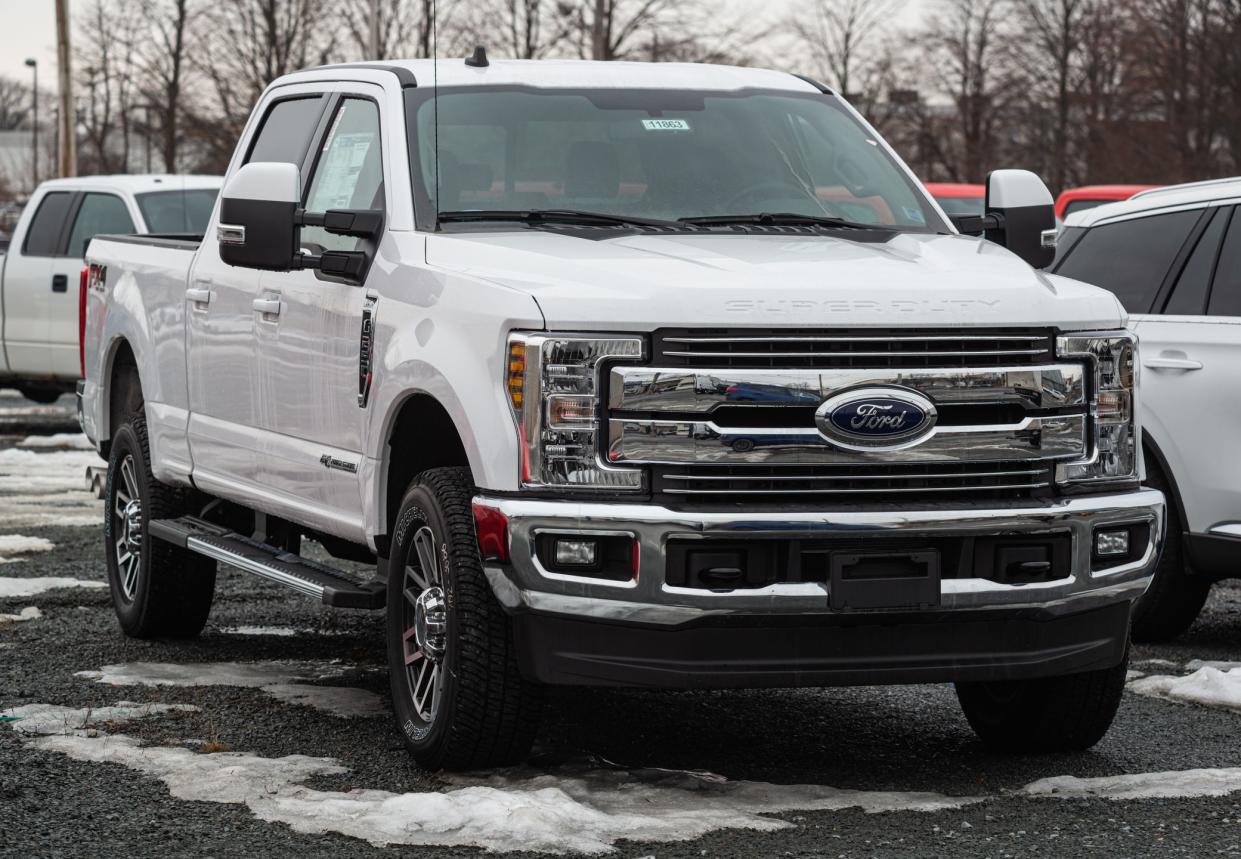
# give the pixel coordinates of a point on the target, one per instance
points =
(782, 219)
(553, 216)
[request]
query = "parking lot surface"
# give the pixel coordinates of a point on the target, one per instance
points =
(270, 736)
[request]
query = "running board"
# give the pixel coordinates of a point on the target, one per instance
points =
(303, 575)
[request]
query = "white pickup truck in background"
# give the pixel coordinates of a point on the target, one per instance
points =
(41, 273)
(653, 375)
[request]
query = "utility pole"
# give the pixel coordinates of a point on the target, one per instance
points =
(68, 116)
(599, 35)
(376, 46)
(34, 143)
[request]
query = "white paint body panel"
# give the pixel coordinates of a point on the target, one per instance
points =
(258, 407)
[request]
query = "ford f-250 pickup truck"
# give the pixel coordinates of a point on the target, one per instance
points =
(647, 375)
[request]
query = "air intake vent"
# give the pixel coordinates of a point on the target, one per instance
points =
(817, 348)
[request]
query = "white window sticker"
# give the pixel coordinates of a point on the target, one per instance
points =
(665, 125)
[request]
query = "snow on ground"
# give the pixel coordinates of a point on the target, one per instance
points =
(1208, 685)
(52, 719)
(290, 682)
(279, 631)
(16, 544)
(47, 488)
(583, 812)
(30, 612)
(30, 587)
(1160, 785)
(57, 441)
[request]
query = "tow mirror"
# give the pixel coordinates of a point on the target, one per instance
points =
(1020, 215)
(258, 217)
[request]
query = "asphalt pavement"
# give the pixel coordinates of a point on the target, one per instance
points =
(286, 748)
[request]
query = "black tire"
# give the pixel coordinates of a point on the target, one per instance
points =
(40, 394)
(1069, 713)
(466, 706)
(166, 591)
(1176, 593)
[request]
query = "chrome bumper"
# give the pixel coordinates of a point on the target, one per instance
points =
(523, 585)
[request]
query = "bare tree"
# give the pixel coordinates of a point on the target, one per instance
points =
(107, 76)
(840, 35)
(164, 53)
(15, 102)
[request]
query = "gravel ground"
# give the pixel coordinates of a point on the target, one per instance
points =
(875, 739)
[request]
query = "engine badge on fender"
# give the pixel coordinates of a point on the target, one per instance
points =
(876, 419)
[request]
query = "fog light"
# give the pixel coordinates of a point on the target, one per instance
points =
(1109, 544)
(576, 553)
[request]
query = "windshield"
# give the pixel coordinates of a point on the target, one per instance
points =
(178, 211)
(657, 154)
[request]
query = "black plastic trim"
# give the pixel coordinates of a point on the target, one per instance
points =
(821, 87)
(1215, 556)
(404, 76)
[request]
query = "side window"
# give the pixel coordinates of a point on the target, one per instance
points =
(99, 214)
(1189, 296)
(1226, 290)
(348, 172)
(1131, 258)
(286, 130)
(49, 219)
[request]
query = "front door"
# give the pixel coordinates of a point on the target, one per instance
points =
(28, 285)
(309, 337)
(229, 405)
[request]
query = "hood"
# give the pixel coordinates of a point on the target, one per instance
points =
(645, 281)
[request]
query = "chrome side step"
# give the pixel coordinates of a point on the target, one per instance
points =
(330, 585)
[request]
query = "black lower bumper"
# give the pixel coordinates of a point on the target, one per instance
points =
(829, 650)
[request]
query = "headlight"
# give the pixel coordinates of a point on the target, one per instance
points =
(553, 387)
(1113, 450)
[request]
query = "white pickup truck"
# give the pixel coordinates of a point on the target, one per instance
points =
(650, 375)
(40, 276)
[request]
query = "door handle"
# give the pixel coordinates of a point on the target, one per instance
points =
(60, 283)
(1172, 360)
(266, 306)
(198, 296)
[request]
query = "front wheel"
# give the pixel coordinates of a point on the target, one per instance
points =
(457, 693)
(1069, 713)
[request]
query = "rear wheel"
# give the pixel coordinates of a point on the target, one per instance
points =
(1069, 713)
(1176, 594)
(458, 696)
(158, 590)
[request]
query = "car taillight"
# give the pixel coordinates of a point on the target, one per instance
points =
(82, 285)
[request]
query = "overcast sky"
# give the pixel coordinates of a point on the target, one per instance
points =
(29, 30)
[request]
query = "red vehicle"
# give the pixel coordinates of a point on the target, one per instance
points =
(959, 198)
(1087, 197)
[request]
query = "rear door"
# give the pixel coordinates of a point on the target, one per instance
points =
(309, 337)
(28, 285)
(229, 405)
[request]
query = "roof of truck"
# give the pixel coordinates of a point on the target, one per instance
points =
(1165, 197)
(134, 183)
(572, 73)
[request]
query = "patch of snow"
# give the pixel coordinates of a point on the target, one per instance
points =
(1159, 785)
(1133, 675)
(10, 587)
(284, 681)
(282, 631)
(54, 720)
(1207, 686)
(1217, 664)
(30, 612)
(45, 488)
(57, 441)
(16, 544)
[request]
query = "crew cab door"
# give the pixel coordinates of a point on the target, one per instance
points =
(309, 328)
(28, 284)
(230, 406)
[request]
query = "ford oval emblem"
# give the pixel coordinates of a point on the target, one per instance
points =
(872, 419)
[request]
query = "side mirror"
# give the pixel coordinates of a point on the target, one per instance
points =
(258, 217)
(1025, 213)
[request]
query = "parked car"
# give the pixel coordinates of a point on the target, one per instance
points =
(958, 198)
(495, 368)
(1072, 200)
(1173, 258)
(39, 277)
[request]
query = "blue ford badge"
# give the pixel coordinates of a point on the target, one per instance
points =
(876, 418)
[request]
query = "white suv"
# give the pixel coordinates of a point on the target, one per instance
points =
(1173, 258)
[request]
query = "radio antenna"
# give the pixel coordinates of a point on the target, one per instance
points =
(435, 101)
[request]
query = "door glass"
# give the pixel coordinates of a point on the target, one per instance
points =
(1189, 297)
(45, 229)
(348, 173)
(99, 214)
(287, 129)
(1226, 290)
(1130, 259)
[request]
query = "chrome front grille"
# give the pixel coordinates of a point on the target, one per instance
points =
(858, 484)
(817, 348)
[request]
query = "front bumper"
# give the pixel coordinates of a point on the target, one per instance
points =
(573, 629)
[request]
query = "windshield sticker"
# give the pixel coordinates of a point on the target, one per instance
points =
(914, 215)
(665, 125)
